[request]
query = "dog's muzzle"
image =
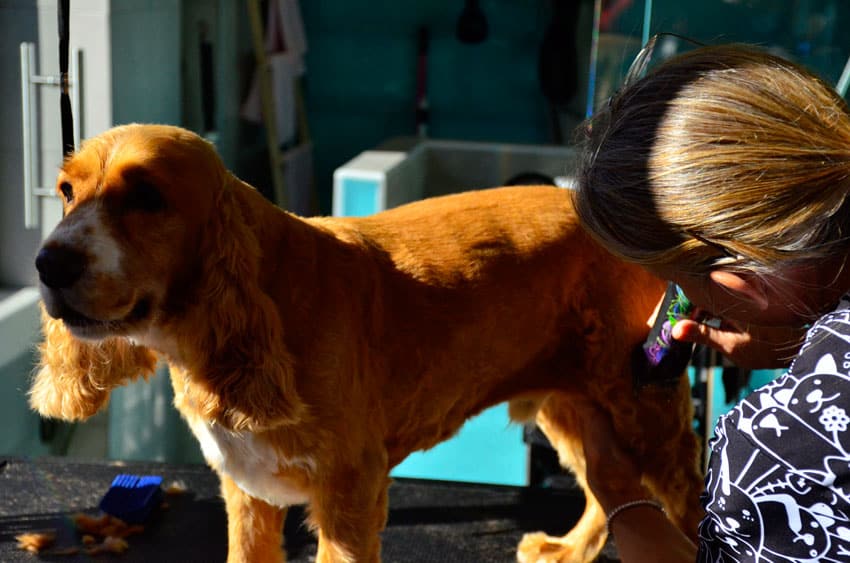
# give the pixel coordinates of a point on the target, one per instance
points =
(60, 266)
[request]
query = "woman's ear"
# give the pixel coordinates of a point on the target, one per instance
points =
(74, 376)
(747, 287)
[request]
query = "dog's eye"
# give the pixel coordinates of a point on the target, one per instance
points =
(67, 191)
(144, 196)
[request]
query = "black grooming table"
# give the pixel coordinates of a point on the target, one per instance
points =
(428, 521)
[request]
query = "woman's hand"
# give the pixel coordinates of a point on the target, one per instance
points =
(751, 347)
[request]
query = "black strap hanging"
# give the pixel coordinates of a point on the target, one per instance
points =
(64, 97)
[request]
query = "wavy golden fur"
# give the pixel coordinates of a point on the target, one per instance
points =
(310, 356)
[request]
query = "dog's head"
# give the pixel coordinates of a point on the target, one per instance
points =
(135, 201)
(156, 248)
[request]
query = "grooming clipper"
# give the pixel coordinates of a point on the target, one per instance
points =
(661, 360)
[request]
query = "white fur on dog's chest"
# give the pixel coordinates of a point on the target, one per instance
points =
(253, 465)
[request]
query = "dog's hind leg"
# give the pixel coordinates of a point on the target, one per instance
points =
(586, 539)
(254, 527)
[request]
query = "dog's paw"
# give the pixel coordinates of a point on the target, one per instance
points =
(540, 548)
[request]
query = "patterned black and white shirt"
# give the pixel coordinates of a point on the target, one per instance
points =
(778, 482)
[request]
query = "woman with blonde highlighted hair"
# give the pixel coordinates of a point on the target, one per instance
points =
(727, 170)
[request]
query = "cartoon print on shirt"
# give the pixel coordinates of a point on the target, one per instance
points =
(778, 486)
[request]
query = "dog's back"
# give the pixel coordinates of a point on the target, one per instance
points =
(480, 297)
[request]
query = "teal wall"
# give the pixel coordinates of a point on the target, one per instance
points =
(144, 425)
(488, 449)
(811, 32)
(361, 63)
(361, 76)
(21, 431)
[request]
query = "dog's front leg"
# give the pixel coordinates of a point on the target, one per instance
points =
(672, 471)
(350, 515)
(254, 527)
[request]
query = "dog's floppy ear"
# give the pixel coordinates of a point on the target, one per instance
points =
(248, 372)
(75, 376)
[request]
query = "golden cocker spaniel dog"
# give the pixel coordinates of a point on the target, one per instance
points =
(310, 356)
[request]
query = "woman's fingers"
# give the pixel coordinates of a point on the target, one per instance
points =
(752, 347)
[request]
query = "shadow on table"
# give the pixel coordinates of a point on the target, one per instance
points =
(429, 521)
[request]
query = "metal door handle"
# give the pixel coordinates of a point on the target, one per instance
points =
(29, 121)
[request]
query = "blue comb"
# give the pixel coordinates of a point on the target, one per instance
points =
(132, 497)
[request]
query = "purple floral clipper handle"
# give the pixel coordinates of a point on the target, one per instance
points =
(661, 359)
(675, 306)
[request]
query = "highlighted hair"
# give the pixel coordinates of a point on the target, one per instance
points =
(724, 156)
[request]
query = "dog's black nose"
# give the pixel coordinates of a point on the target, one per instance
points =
(59, 266)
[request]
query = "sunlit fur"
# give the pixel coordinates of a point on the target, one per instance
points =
(338, 346)
(75, 377)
